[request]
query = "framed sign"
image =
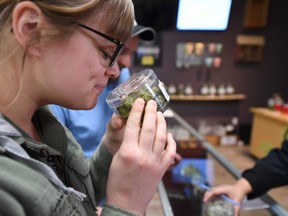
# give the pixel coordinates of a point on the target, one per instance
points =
(256, 13)
(249, 48)
(148, 54)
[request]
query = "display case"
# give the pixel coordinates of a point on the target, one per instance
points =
(180, 196)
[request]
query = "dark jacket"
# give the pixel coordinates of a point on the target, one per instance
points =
(269, 172)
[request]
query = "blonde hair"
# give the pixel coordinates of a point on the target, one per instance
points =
(63, 14)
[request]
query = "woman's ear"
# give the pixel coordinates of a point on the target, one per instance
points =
(25, 26)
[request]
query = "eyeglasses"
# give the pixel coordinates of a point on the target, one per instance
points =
(120, 45)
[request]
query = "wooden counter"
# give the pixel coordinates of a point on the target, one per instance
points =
(269, 129)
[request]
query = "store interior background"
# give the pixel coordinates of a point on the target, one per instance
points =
(258, 81)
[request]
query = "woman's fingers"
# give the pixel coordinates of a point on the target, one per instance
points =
(161, 134)
(149, 127)
(169, 154)
(152, 137)
(115, 123)
(132, 129)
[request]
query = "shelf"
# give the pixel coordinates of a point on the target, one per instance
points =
(207, 97)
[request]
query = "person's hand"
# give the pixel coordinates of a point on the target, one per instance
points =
(99, 210)
(142, 159)
(114, 134)
(177, 160)
(237, 192)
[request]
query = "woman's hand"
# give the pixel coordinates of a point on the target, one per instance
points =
(142, 159)
(114, 134)
(177, 160)
(237, 192)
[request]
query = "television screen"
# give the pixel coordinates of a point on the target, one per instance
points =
(205, 15)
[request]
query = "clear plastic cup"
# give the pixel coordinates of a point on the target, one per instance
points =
(143, 84)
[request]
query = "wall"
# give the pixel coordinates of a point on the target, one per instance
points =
(256, 81)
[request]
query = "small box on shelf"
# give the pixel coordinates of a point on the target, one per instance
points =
(228, 140)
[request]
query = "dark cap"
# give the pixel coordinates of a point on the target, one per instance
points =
(144, 33)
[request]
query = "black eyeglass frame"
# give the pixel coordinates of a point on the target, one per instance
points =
(120, 45)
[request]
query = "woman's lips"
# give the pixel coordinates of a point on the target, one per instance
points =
(100, 88)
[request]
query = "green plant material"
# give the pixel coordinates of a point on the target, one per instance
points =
(218, 207)
(191, 171)
(126, 107)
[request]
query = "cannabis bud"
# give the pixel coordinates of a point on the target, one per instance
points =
(143, 84)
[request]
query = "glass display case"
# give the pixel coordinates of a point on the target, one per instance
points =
(182, 188)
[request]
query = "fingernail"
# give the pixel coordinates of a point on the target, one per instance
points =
(140, 101)
(152, 102)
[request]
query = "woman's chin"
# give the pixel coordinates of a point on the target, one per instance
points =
(91, 105)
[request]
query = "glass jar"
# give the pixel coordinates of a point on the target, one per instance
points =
(204, 89)
(188, 89)
(212, 89)
(143, 84)
(221, 90)
(181, 89)
(172, 90)
(230, 89)
(218, 206)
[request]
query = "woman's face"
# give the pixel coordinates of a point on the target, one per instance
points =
(75, 69)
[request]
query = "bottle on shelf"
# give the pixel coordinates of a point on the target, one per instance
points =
(188, 89)
(230, 89)
(171, 89)
(212, 89)
(180, 89)
(221, 90)
(204, 90)
(275, 102)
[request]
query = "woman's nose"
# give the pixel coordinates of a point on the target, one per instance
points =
(113, 71)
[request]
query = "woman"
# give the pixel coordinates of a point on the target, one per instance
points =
(64, 52)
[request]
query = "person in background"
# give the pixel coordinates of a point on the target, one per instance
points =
(63, 52)
(88, 126)
(268, 172)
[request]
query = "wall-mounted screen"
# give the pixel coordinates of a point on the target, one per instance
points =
(203, 15)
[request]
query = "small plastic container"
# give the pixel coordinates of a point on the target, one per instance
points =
(218, 206)
(143, 84)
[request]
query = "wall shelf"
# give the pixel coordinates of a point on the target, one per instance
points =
(207, 97)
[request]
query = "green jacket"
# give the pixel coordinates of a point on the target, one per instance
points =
(53, 177)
